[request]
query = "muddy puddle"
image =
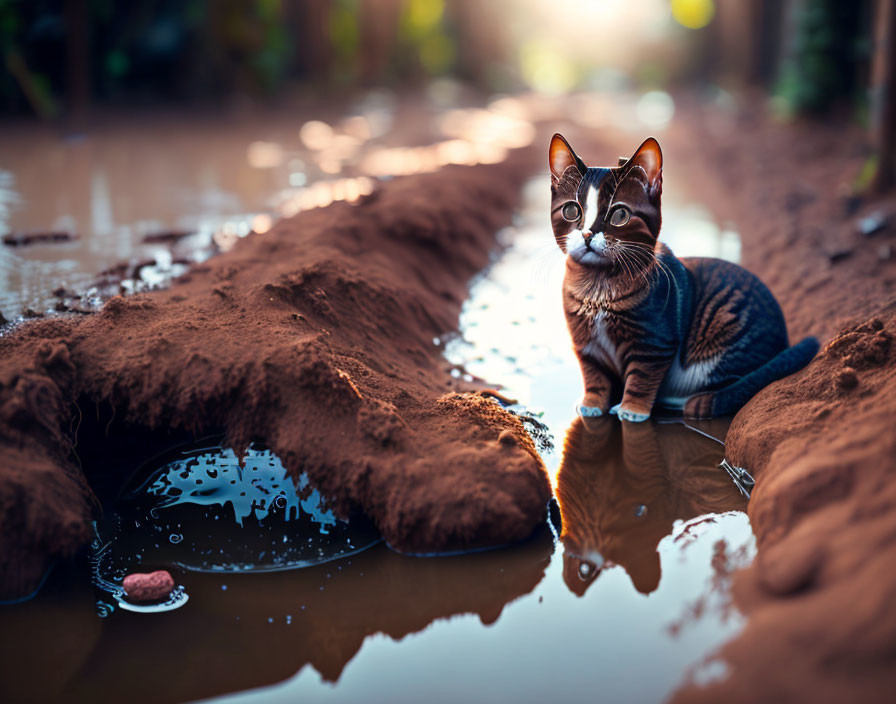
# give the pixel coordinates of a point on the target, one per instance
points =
(623, 596)
(627, 603)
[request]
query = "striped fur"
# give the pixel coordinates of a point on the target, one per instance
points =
(696, 334)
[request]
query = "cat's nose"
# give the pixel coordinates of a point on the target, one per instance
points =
(587, 235)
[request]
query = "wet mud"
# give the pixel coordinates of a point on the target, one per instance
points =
(821, 444)
(322, 339)
(354, 624)
(315, 338)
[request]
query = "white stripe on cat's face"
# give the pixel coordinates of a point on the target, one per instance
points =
(589, 216)
(575, 240)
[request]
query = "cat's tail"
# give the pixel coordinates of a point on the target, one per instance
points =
(731, 398)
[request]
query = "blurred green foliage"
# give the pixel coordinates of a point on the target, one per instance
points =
(828, 56)
(345, 38)
(423, 30)
(151, 50)
(145, 51)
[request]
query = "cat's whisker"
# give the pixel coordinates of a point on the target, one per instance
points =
(626, 262)
(630, 255)
(546, 258)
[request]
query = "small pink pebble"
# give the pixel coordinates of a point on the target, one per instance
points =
(142, 587)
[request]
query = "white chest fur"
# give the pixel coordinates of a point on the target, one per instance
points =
(600, 346)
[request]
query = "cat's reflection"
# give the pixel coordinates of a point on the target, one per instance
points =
(621, 487)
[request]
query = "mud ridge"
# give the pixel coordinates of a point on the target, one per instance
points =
(317, 339)
(821, 443)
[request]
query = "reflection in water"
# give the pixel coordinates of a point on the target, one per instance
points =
(204, 510)
(241, 631)
(622, 487)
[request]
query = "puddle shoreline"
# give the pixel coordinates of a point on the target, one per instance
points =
(305, 346)
(686, 540)
(486, 435)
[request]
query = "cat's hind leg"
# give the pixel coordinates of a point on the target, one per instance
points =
(731, 398)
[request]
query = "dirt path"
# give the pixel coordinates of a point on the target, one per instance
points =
(822, 443)
(317, 338)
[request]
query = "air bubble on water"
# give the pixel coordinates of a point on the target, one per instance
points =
(175, 538)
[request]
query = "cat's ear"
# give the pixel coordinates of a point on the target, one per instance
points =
(649, 157)
(561, 157)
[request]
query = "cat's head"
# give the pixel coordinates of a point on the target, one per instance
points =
(607, 219)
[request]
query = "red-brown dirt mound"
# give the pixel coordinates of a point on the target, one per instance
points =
(820, 594)
(316, 339)
(822, 443)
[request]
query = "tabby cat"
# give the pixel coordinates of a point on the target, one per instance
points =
(694, 334)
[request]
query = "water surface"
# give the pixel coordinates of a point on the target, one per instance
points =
(622, 599)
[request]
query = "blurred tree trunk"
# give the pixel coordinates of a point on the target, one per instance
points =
(77, 27)
(379, 33)
(309, 23)
(883, 93)
(768, 20)
(742, 45)
(481, 37)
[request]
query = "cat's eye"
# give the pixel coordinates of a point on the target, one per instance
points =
(570, 211)
(620, 216)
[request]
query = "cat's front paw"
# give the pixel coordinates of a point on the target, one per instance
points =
(589, 411)
(630, 416)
